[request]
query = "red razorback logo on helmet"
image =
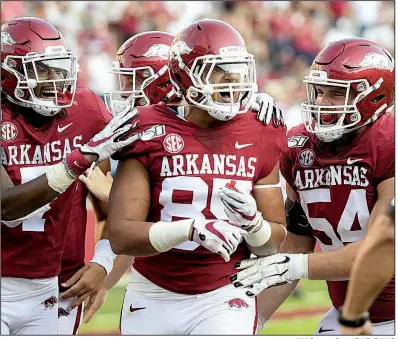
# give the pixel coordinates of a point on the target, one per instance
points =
(238, 303)
(50, 302)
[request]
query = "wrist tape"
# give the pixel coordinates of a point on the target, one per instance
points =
(260, 236)
(166, 235)
(59, 177)
(103, 255)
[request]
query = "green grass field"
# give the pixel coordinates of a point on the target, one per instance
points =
(297, 316)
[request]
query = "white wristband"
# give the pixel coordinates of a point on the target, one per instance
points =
(261, 236)
(58, 178)
(166, 235)
(103, 255)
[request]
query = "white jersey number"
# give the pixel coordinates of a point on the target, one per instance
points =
(35, 223)
(356, 206)
(198, 192)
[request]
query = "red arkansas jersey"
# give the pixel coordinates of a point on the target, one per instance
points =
(33, 249)
(74, 250)
(338, 193)
(187, 166)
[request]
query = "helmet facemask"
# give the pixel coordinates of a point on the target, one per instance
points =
(330, 122)
(45, 82)
(222, 84)
(132, 85)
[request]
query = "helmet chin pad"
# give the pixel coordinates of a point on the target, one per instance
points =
(219, 112)
(330, 136)
(47, 111)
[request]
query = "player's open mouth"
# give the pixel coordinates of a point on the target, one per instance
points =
(328, 119)
(225, 96)
(49, 94)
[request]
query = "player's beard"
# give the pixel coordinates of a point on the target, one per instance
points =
(338, 146)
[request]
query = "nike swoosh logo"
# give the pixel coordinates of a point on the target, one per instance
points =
(239, 146)
(321, 330)
(133, 309)
(76, 164)
(352, 161)
(61, 129)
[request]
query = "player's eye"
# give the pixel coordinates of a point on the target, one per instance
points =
(41, 69)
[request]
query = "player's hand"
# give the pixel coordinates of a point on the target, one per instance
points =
(98, 183)
(366, 329)
(84, 284)
(274, 270)
(240, 207)
(267, 110)
(108, 141)
(217, 236)
(99, 300)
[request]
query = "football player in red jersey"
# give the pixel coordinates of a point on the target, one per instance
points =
(339, 166)
(51, 133)
(142, 68)
(172, 197)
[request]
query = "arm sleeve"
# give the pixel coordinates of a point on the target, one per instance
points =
(297, 222)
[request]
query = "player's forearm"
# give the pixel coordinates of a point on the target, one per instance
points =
(372, 270)
(138, 238)
(21, 200)
(121, 265)
(130, 238)
(271, 299)
(339, 263)
(278, 235)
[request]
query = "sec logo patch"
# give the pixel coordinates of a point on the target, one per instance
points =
(8, 131)
(173, 143)
(306, 157)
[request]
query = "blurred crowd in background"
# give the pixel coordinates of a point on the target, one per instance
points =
(284, 36)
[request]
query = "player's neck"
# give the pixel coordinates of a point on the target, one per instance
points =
(201, 118)
(345, 142)
(35, 119)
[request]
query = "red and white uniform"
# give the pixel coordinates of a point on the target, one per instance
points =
(187, 165)
(73, 260)
(338, 193)
(31, 252)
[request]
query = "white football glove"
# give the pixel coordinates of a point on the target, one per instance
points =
(217, 236)
(266, 109)
(107, 142)
(274, 270)
(240, 207)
